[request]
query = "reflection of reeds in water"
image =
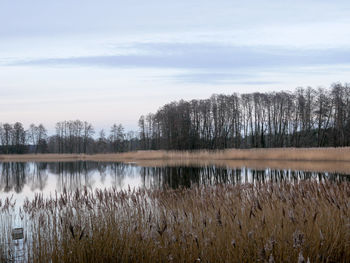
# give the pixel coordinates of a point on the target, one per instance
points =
(263, 222)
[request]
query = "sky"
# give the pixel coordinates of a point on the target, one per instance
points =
(111, 61)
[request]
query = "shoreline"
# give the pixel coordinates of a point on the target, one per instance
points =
(308, 159)
(271, 154)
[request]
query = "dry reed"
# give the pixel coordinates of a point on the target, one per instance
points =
(282, 154)
(307, 159)
(265, 222)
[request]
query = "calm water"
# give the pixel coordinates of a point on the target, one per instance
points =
(21, 180)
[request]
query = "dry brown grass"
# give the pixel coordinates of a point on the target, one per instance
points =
(282, 154)
(308, 159)
(244, 223)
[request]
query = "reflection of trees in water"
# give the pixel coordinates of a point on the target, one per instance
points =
(118, 173)
(75, 175)
(174, 177)
(70, 175)
(102, 169)
(38, 178)
(14, 176)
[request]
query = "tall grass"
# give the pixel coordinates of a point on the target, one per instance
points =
(285, 154)
(308, 159)
(7, 219)
(265, 222)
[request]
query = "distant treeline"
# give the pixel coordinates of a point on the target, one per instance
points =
(303, 118)
(71, 137)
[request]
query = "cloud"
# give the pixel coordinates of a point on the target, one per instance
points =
(209, 63)
(211, 78)
(203, 56)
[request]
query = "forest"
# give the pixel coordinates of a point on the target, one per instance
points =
(303, 118)
(307, 117)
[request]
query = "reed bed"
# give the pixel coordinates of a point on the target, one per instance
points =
(308, 159)
(281, 154)
(341, 154)
(307, 221)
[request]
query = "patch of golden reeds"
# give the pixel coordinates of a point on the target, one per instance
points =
(308, 159)
(262, 222)
(282, 154)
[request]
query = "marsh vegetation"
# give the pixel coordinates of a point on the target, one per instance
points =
(174, 213)
(176, 207)
(224, 223)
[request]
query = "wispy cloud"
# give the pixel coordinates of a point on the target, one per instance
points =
(203, 56)
(208, 63)
(211, 78)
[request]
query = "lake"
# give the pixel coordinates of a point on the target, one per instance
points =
(21, 180)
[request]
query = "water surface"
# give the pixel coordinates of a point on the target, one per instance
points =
(20, 180)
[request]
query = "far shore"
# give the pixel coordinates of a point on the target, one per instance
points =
(282, 154)
(308, 159)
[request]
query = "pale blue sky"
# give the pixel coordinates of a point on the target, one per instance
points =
(111, 61)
